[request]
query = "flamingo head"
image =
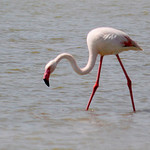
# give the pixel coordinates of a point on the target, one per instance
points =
(49, 68)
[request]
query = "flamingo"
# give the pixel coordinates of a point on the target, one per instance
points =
(100, 41)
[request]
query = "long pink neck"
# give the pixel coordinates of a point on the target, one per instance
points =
(81, 71)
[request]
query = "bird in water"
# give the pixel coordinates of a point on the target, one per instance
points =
(101, 41)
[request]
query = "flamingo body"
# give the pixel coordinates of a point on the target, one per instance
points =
(101, 41)
(108, 41)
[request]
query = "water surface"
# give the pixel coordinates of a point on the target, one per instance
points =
(34, 116)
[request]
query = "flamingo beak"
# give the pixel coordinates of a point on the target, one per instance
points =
(46, 77)
(46, 82)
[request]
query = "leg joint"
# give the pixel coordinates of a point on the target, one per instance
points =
(129, 82)
(95, 86)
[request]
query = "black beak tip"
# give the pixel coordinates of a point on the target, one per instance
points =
(46, 82)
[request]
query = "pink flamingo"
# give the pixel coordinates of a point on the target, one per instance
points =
(103, 41)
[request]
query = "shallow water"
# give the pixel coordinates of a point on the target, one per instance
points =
(34, 116)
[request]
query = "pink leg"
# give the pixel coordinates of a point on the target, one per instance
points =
(129, 83)
(96, 84)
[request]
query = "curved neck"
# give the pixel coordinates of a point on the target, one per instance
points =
(81, 71)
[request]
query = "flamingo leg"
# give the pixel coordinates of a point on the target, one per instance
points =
(97, 82)
(129, 82)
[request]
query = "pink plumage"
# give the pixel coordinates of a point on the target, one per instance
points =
(101, 41)
(108, 41)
